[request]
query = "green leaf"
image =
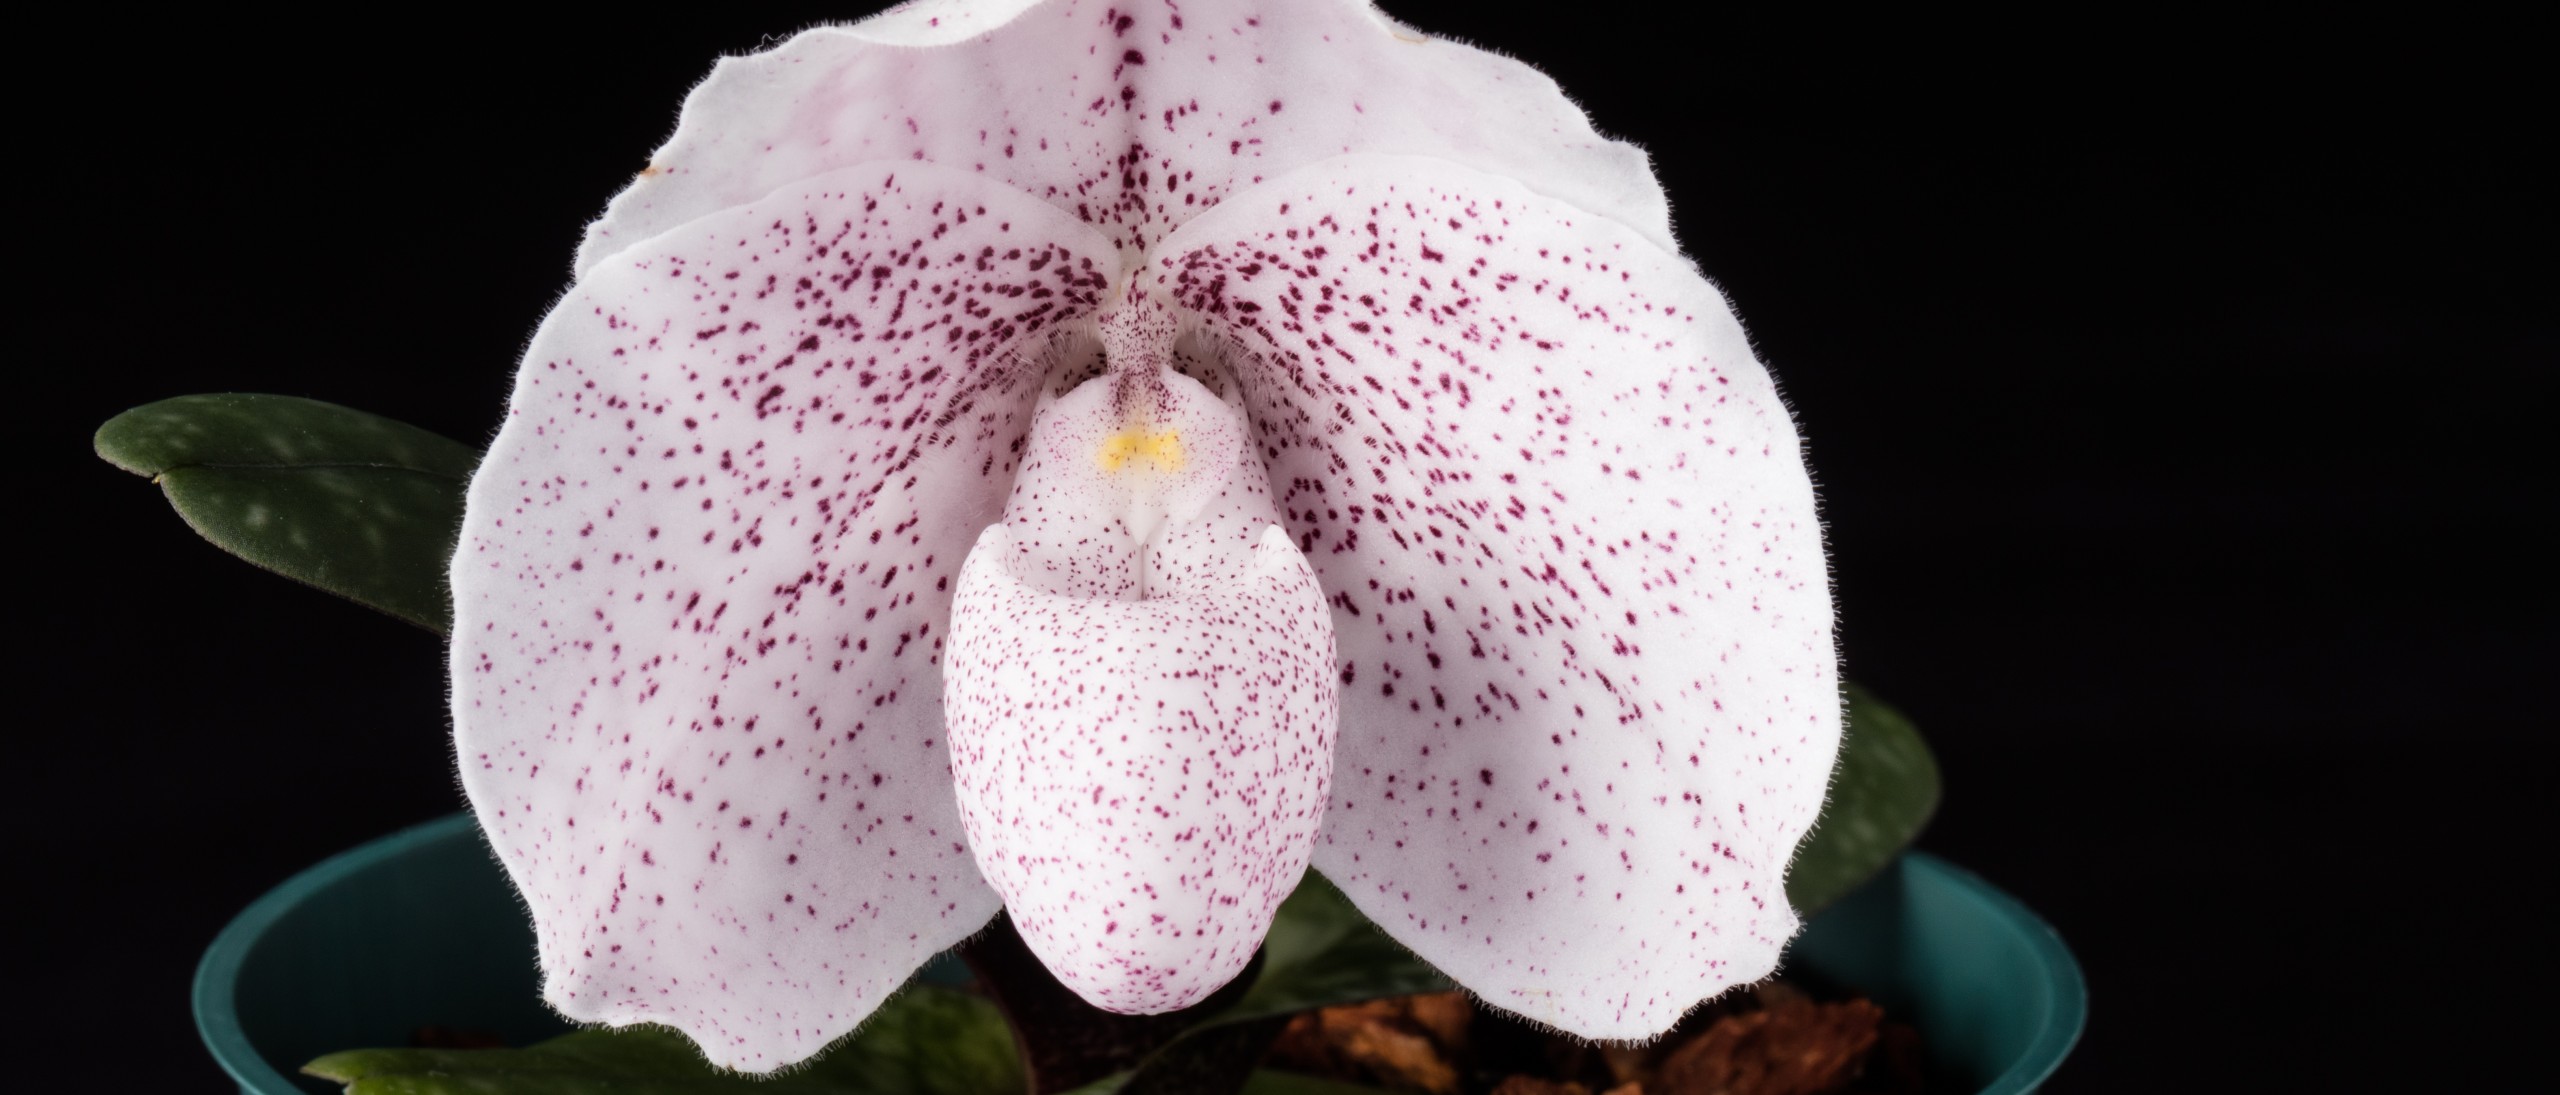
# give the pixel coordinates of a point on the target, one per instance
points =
(353, 503)
(270, 431)
(1883, 790)
(926, 1041)
(1320, 952)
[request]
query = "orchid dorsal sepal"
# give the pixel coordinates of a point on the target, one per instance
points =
(943, 490)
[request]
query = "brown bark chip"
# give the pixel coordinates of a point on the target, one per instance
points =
(1443, 1015)
(1792, 1047)
(1899, 1067)
(1531, 1085)
(1409, 1043)
(1627, 1065)
(1773, 1039)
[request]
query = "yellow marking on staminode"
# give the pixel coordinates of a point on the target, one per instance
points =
(1161, 451)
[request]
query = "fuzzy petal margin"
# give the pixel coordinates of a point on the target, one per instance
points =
(702, 587)
(1589, 691)
(1131, 116)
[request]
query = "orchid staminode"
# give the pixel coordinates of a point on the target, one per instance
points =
(1099, 459)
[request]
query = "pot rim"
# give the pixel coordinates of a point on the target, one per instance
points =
(216, 987)
(2065, 1014)
(217, 982)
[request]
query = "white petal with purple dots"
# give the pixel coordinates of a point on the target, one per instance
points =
(1109, 457)
(1133, 116)
(1589, 693)
(1140, 684)
(703, 586)
(1143, 779)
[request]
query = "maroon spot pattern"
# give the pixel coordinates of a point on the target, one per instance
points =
(1132, 115)
(1589, 693)
(1081, 528)
(703, 589)
(1552, 504)
(1141, 748)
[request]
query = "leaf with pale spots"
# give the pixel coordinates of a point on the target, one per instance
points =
(353, 503)
(927, 1041)
(1883, 790)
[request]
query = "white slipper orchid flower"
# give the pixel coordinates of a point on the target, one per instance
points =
(1097, 460)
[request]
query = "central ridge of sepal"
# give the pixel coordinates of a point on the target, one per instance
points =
(1140, 686)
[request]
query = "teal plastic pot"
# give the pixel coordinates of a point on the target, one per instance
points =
(421, 927)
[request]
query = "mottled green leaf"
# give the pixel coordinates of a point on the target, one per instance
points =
(1883, 790)
(243, 430)
(926, 1041)
(353, 503)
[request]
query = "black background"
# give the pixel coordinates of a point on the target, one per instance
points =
(2171, 391)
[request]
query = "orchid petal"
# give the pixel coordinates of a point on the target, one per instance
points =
(702, 589)
(1141, 749)
(1589, 690)
(1132, 117)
